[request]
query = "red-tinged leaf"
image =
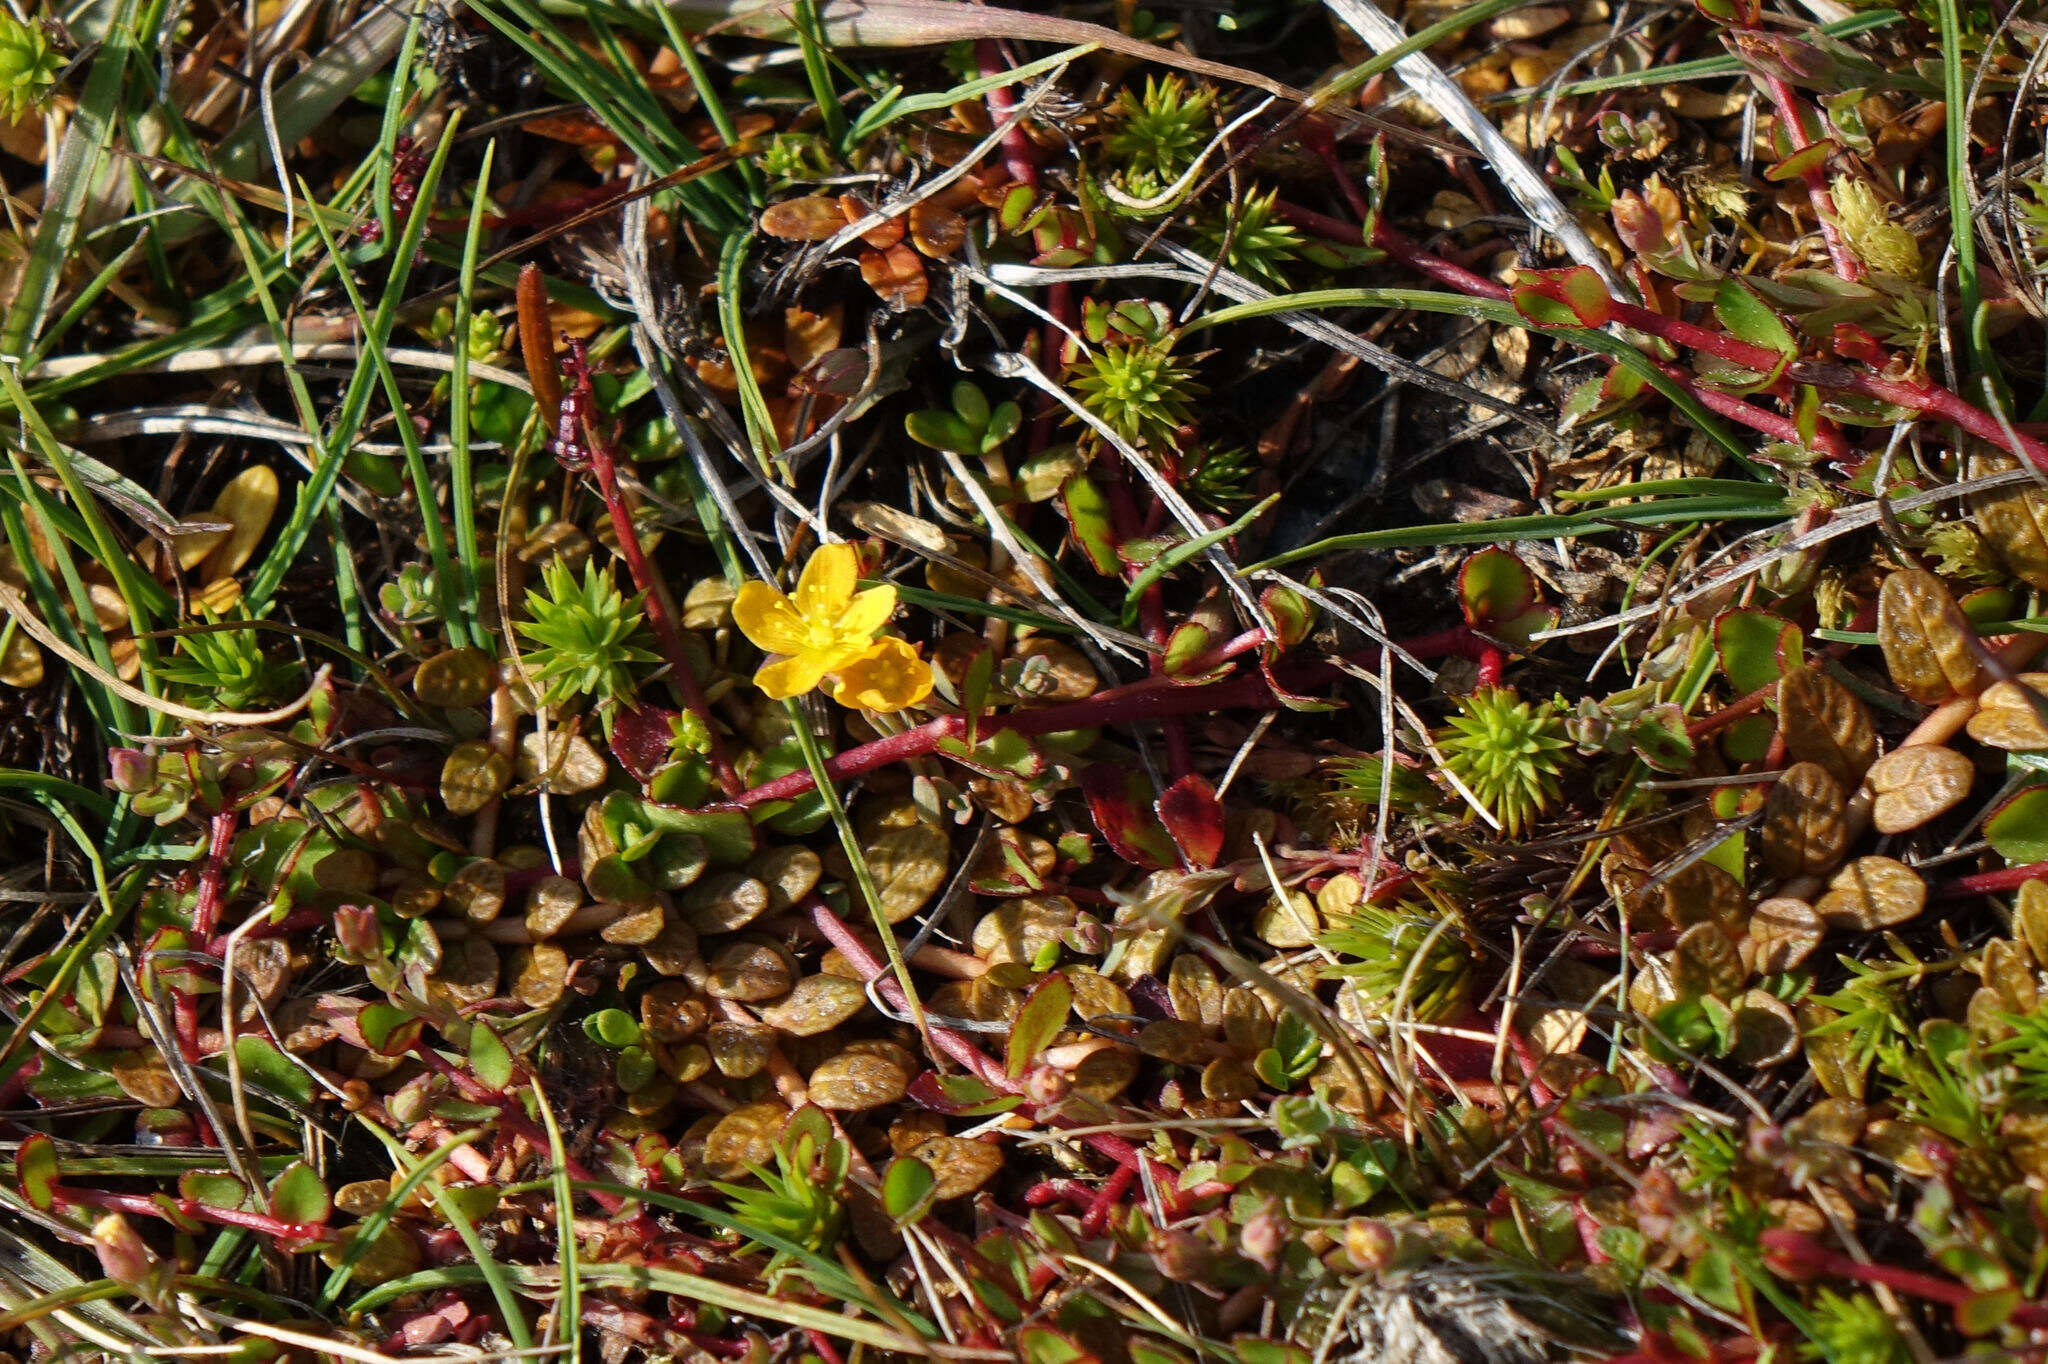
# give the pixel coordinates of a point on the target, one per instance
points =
(1853, 343)
(1574, 297)
(1539, 309)
(1494, 586)
(1193, 817)
(1585, 293)
(1121, 802)
(387, 1029)
(35, 1171)
(1184, 648)
(1088, 511)
(1812, 157)
(1756, 648)
(1294, 701)
(1038, 1022)
(1292, 614)
(959, 1096)
(641, 738)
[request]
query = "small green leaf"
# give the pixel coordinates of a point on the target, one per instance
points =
(2018, 829)
(1495, 585)
(907, 1190)
(614, 1028)
(1088, 510)
(35, 1171)
(490, 1060)
(1748, 318)
(211, 1190)
(389, 1030)
(1982, 1313)
(260, 1060)
(941, 431)
(1038, 1022)
(299, 1196)
(1756, 648)
(972, 406)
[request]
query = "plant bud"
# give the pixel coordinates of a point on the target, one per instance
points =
(1263, 1237)
(1370, 1244)
(1182, 1256)
(356, 935)
(130, 770)
(123, 1254)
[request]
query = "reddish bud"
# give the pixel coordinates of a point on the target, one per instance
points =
(130, 770)
(1637, 224)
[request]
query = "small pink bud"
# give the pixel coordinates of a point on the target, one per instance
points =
(1047, 1084)
(130, 770)
(1638, 225)
(124, 1256)
(1182, 1256)
(1262, 1238)
(356, 932)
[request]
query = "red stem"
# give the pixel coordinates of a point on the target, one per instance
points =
(604, 467)
(1147, 700)
(1787, 102)
(1020, 154)
(1993, 882)
(144, 1205)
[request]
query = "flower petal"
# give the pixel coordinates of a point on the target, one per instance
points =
(768, 618)
(827, 583)
(890, 676)
(787, 677)
(868, 612)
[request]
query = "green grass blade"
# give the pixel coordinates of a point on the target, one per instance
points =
(80, 159)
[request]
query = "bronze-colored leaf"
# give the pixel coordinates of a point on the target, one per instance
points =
(813, 218)
(2008, 969)
(570, 762)
(897, 276)
(744, 1138)
(1764, 1031)
(1698, 893)
(738, 1049)
(1916, 784)
(909, 865)
(456, 678)
(1805, 828)
(1782, 934)
(1826, 723)
(2030, 919)
(472, 776)
(1872, 892)
(818, 1004)
(541, 974)
(935, 229)
(853, 1082)
(1019, 929)
(1706, 961)
(2013, 714)
(2014, 520)
(477, 891)
(749, 972)
(789, 872)
(1927, 641)
(962, 1166)
(722, 904)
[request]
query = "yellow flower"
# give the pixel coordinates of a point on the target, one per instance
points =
(822, 628)
(889, 676)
